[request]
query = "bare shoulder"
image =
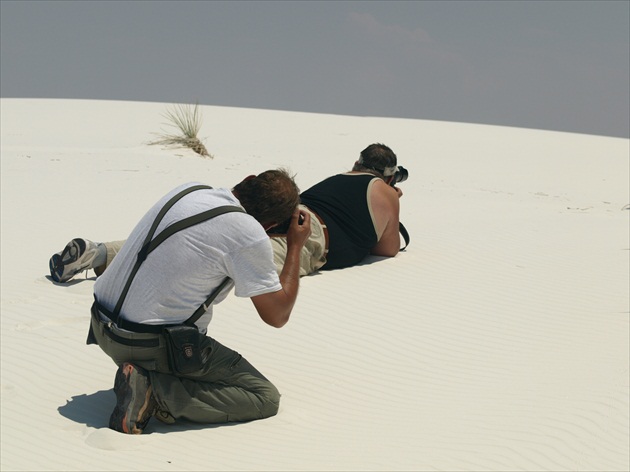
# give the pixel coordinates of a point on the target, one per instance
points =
(383, 195)
(385, 209)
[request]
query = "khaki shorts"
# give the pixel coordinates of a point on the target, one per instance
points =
(313, 255)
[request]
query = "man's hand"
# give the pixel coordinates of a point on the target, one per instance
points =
(299, 229)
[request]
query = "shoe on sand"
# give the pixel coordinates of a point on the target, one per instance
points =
(77, 256)
(135, 404)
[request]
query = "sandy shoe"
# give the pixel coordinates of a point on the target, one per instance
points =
(77, 256)
(135, 404)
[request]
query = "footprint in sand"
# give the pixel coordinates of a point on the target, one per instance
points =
(110, 440)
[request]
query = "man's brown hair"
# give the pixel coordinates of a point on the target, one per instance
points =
(270, 197)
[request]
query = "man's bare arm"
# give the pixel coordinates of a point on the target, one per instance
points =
(275, 308)
(385, 203)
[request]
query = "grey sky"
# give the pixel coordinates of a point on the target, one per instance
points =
(557, 65)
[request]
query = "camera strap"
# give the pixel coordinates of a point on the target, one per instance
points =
(405, 234)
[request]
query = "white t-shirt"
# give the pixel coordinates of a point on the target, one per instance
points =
(179, 275)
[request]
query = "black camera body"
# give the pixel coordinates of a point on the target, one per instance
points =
(283, 228)
(401, 175)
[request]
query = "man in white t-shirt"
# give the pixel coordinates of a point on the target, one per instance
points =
(174, 281)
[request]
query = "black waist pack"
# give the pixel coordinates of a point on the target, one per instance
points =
(184, 348)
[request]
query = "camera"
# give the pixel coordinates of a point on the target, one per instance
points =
(283, 228)
(401, 175)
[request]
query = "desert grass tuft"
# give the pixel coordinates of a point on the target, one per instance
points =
(187, 120)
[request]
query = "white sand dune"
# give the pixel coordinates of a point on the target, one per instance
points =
(497, 341)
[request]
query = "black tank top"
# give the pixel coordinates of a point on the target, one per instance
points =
(341, 201)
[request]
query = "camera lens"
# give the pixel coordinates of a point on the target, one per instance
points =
(401, 175)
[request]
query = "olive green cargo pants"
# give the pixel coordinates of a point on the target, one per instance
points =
(227, 388)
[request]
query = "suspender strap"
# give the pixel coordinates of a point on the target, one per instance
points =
(163, 211)
(204, 306)
(185, 223)
(150, 244)
(142, 255)
(157, 329)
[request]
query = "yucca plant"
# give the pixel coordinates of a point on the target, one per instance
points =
(187, 119)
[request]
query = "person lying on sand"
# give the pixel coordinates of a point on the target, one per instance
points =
(353, 214)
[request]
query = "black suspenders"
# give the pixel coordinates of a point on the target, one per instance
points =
(150, 244)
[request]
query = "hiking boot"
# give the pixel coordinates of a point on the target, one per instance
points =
(77, 256)
(135, 404)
